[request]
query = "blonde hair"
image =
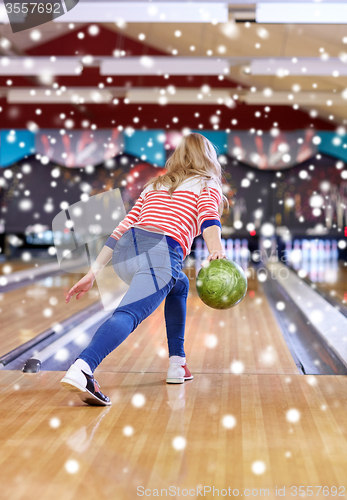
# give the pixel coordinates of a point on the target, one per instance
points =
(194, 155)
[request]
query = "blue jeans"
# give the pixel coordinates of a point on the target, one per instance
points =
(153, 271)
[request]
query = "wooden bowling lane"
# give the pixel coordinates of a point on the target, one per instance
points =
(247, 335)
(224, 430)
(245, 338)
(28, 311)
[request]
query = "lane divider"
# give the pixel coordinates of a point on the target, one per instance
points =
(33, 365)
(328, 321)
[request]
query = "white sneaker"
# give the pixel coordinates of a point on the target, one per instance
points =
(76, 380)
(177, 372)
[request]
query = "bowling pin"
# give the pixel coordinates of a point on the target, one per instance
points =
(313, 271)
(244, 253)
(237, 251)
(327, 250)
(198, 254)
(205, 252)
(305, 266)
(198, 250)
(321, 251)
(321, 261)
(287, 251)
(305, 250)
(314, 250)
(296, 255)
(230, 249)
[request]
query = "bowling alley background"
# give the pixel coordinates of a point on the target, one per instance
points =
(72, 131)
(282, 166)
(308, 199)
(91, 105)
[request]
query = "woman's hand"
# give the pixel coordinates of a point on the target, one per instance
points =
(81, 287)
(216, 255)
(212, 237)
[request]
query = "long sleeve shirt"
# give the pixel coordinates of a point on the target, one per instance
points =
(192, 208)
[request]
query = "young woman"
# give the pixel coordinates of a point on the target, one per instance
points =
(147, 250)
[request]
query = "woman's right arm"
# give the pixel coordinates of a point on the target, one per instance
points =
(212, 237)
(209, 220)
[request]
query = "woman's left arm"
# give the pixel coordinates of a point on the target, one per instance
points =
(102, 259)
(106, 253)
(85, 284)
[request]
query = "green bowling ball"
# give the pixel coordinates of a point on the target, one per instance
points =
(221, 284)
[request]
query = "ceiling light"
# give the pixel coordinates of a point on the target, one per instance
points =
(142, 12)
(303, 98)
(38, 65)
(302, 66)
(157, 65)
(301, 13)
(181, 96)
(72, 95)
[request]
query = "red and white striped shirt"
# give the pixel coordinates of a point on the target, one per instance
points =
(192, 208)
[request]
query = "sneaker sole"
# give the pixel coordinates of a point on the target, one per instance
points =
(178, 380)
(83, 393)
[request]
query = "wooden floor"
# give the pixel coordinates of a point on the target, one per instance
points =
(248, 420)
(55, 447)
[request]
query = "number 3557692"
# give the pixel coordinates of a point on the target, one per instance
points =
(32, 7)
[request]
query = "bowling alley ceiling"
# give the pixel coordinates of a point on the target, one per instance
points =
(233, 99)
